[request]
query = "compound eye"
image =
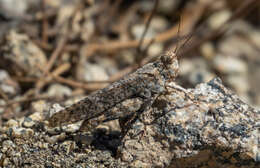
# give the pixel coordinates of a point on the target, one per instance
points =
(168, 58)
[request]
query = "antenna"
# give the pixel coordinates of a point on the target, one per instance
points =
(185, 42)
(178, 35)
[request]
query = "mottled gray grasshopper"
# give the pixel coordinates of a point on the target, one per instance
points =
(144, 83)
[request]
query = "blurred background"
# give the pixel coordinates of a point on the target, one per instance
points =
(62, 50)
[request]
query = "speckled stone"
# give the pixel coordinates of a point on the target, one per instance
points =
(17, 132)
(211, 126)
(208, 126)
(28, 122)
(22, 56)
(59, 90)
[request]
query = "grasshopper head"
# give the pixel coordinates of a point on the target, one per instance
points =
(170, 66)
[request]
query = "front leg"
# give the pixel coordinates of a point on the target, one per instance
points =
(127, 121)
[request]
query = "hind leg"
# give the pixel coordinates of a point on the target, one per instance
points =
(121, 110)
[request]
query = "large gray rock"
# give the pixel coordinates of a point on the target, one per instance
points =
(207, 126)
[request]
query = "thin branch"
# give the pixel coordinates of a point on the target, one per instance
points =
(44, 22)
(139, 48)
(187, 25)
(244, 9)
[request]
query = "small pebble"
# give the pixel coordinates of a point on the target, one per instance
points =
(12, 123)
(138, 29)
(94, 72)
(58, 90)
(230, 65)
(6, 162)
(159, 24)
(2, 102)
(55, 138)
(68, 146)
(218, 18)
(8, 85)
(42, 145)
(53, 131)
(38, 107)
(18, 132)
(208, 50)
(167, 7)
(13, 8)
(155, 49)
(237, 46)
(28, 122)
(71, 128)
(7, 145)
(239, 82)
(23, 54)
(37, 116)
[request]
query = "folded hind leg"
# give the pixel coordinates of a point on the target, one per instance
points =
(121, 110)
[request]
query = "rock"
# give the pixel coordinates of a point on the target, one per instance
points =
(37, 116)
(42, 145)
(110, 65)
(168, 7)
(94, 72)
(87, 30)
(58, 90)
(65, 12)
(157, 25)
(68, 146)
(211, 119)
(17, 132)
(208, 50)
(155, 50)
(6, 162)
(126, 58)
(72, 128)
(230, 65)
(7, 145)
(207, 125)
(55, 138)
(145, 6)
(7, 85)
(38, 107)
(239, 82)
(254, 35)
(138, 29)
(218, 18)
(239, 26)
(55, 4)
(14, 8)
(21, 55)
(28, 122)
(235, 46)
(53, 131)
(2, 102)
(12, 123)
